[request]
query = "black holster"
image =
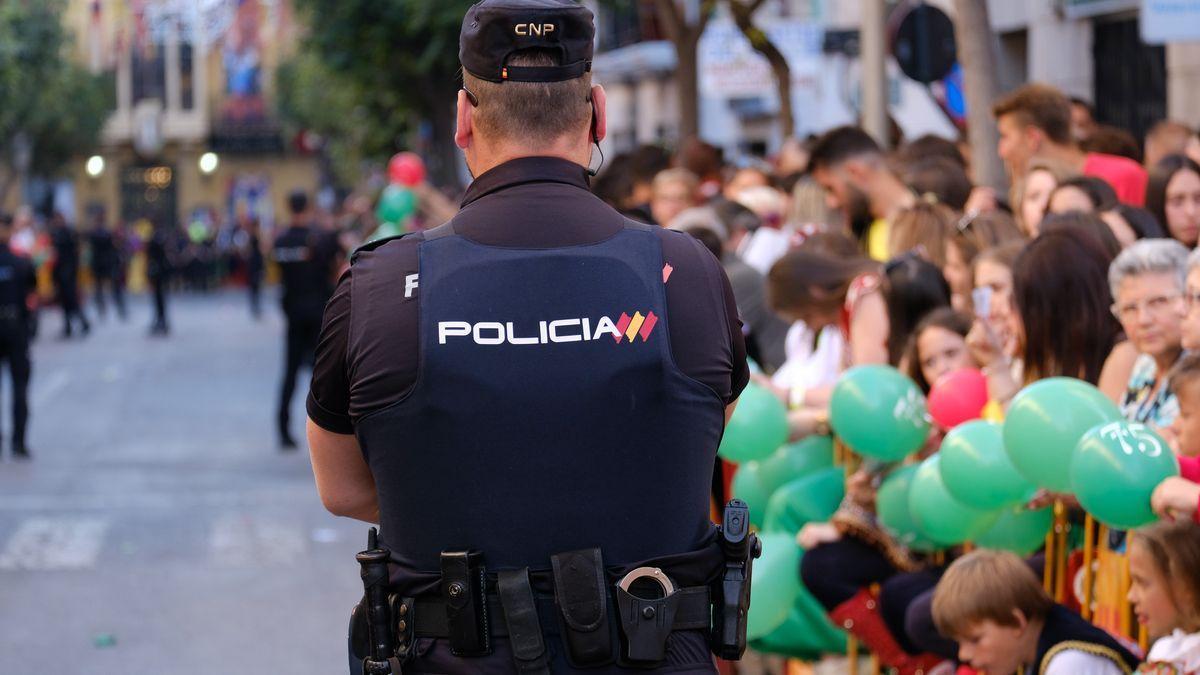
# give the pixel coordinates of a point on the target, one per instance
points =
(464, 590)
(731, 593)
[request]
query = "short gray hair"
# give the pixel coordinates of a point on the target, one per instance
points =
(1149, 256)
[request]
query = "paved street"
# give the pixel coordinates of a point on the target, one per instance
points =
(158, 528)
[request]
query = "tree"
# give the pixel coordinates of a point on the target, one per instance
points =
(973, 35)
(313, 98)
(399, 59)
(685, 36)
(52, 106)
(743, 14)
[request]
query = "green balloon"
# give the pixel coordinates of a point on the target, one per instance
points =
(806, 633)
(748, 486)
(1116, 468)
(942, 518)
(395, 204)
(879, 412)
(758, 426)
(808, 499)
(1044, 424)
(775, 584)
(891, 505)
(1018, 530)
(795, 460)
(977, 471)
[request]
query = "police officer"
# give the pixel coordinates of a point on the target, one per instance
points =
(17, 284)
(306, 257)
(66, 274)
(107, 266)
(159, 267)
(529, 398)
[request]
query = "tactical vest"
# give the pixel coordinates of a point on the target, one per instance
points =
(548, 414)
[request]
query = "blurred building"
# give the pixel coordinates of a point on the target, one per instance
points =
(1093, 49)
(194, 136)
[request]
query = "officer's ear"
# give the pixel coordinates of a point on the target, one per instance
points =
(465, 128)
(599, 114)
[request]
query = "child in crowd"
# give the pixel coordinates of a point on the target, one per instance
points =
(995, 607)
(938, 347)
(1178, 497)
(1164, 568)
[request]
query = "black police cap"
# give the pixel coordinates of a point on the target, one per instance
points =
(494, 29)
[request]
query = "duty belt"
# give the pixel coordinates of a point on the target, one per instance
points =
(598, 623)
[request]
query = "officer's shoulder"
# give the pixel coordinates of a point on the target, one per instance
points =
(376, 244)
(683, 246)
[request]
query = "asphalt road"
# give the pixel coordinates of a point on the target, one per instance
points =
(158, 528)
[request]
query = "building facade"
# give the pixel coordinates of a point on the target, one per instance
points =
(194, 134)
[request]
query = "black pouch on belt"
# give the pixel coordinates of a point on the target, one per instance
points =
(581, 593)
(464, 591)
(646, 623)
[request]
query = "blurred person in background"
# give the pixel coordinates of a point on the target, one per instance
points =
(849, 164)
(706, 161)
(1167, 137)
(941, 178)
(763, 329)
(1114, 141)
(745, 178)
(160, 266)
(1083, 119)
(107, 266)
(1174, 198)
(994, 336)
(1090, 195)
(673, 191)
(307, 257)
(809, 210)
(66, 275)
(1034, 122)
(1031, 194)
(252, 252)
(17, 283)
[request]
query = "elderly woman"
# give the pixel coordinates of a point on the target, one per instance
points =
(1148, 284)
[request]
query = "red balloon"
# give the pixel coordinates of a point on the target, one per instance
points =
(958, 397)
(406, 168)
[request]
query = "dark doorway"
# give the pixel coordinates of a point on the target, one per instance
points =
(149, 192)
(1130, 77)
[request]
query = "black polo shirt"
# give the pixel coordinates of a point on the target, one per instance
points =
(532, 202)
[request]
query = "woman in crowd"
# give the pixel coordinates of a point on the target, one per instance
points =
(993, 339)
(951, 241)
(1032, 194)
(1173, 196)
(1062, 297)
(1147, 284)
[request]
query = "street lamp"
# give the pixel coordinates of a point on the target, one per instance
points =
(209, 162)
(95, 166)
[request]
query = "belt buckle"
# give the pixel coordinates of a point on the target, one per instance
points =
(647, 572)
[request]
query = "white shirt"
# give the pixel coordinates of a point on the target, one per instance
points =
(1179, 649)
(808, 367)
